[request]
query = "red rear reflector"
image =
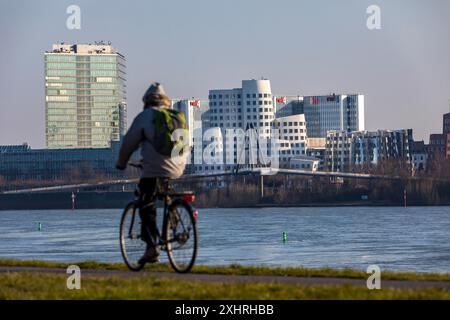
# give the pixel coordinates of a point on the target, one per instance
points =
(195, 214)
(189, 198)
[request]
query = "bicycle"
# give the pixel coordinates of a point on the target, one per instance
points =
(179, 226)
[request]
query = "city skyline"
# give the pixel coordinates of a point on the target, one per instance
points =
(402, 69)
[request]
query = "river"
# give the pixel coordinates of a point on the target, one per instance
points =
(394, 238)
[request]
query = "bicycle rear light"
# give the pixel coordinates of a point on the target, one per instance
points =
(189, 198)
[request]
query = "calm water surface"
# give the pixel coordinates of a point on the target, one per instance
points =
(394, 238)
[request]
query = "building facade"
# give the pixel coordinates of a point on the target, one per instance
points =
(333, 112)
(419, 156)
(21, 163)
(292, 138)
(446, 131)
(346, 150)
(247, 108)
(437, 146)
(85, 96)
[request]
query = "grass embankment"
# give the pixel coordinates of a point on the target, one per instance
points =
(24, 285)
(239, 270)
(33, 285)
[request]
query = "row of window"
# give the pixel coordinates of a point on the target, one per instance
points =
(78, 58)
(73, 65)
(80, 98)
(60, 85)
(57, 124)
(87, 105)
(80, 73)
(103, 92)
(81, 79)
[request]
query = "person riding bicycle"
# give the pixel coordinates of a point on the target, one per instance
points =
(155, 164)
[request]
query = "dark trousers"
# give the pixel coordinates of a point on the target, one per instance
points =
(147, 189)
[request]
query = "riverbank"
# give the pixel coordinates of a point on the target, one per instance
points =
(42, 280)
(118, 200)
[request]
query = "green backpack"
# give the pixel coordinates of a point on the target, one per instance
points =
(166, 122)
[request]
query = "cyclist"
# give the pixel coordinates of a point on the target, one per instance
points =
(155, 165)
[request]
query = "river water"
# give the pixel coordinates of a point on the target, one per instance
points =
(402, 239)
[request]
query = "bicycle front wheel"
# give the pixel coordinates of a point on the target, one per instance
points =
(132, 245)
(181, 236)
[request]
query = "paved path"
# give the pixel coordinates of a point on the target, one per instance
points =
(238, 278)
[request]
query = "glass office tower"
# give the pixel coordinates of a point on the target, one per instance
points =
(85, 96)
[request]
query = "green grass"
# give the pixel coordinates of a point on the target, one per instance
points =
(241, 270)
(31, 285)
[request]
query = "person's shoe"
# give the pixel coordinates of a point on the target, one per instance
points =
(150, 256)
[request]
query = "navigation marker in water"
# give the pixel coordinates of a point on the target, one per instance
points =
(285, 236)
(39, 226)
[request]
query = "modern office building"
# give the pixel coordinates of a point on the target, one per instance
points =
(248, 107)
(324, 112)
(288, 105)
(85, 96)
(347, 150)
(292, 137)
(21, 163)
(333, 112)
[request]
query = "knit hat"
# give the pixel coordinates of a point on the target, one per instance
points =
(155, 95)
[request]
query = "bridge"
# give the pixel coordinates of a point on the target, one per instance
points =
(261, 172)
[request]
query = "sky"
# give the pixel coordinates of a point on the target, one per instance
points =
(303, 47)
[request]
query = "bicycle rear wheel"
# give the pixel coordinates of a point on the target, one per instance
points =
(181, 236)
(132, 245)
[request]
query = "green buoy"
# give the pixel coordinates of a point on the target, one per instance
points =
(39, 226)
(285, 237)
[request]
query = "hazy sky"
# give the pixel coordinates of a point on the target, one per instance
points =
(303, 47)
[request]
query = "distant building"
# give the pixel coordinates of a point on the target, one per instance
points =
(446, 131)
(85, 96)
(292, 137)
(248, 107)
(304, 163)
(419, 156)
(436, 147)
(345, 150)
(333, 112)
(288, 106)
(196, 113)
(446, 123)
(21, 163)
(324, 113)
(448, 146)
(316, 149)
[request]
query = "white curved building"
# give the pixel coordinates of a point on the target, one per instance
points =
(250, 106)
